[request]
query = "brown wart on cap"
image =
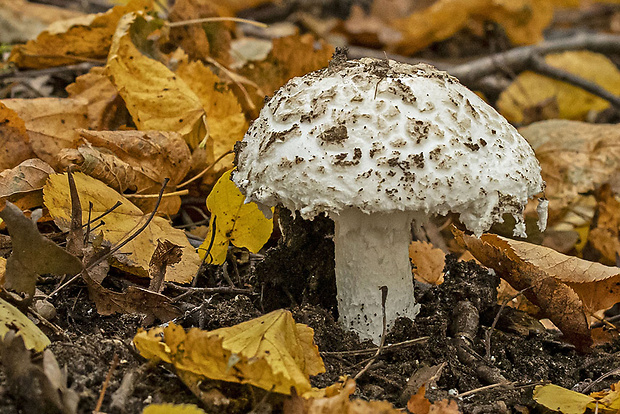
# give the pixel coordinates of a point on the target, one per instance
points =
(393, 144)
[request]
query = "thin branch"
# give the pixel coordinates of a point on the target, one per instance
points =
(206, 170)
(141, 196)
(217, 19)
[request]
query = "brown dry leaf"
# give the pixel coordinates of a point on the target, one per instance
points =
(106, 110)
(418, 403)
(38, 382)
(79, 40)
(428, 262)
(156, 98)
(556, 300)
(369, 29)
(137, 161)
(523, 21)
(134, 300)
(51, 124)
(530, 89)
(165, 255)
(15, 142)
(576, 157)
(603, 235)
(22, 185)
(204, 40)
(231, 7)
(337, 400)
(117, 225)
(225, 119)
(22, 20)
(32, 254)
(290, 56)
(271, 352)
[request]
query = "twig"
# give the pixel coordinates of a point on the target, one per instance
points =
(369, 350)
(56, 329)
(16, 75)
(615, 371)
(217, 19)
(108, 377)
(206, 170)
(384, 293)
(485, 388)
(172, 194)
(539, 65)
(224, 289)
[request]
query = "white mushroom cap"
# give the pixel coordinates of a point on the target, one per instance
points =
(383, 136)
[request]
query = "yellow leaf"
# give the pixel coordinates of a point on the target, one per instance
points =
(560, 399)
(225, 119)
(12, 319)
(117, 225)
(531, 89)
(172, 409)
(236, 222)
(88, 37)
(271, 352)
(156, 98)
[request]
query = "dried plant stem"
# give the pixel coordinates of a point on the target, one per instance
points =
(206, 170)
(217, 19)
(174, 193)
(108, 377)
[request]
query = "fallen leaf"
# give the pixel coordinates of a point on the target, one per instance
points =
(199, 41)
(428, 262)
(81, 39)
(165, 254)
(106, 110)
(529, 88)
(32, 254)
(556, 300)
(118, 224)
(603, 235)
(523, 21)
(225, 119)
(15, 141)
(571, 402)
(418, 403)
(271, 352)
(51, 124)
(575, 157)
(29, 176)
(236, 222)
(12, 319)
(156, 98)
(37, 384)
(172, 409)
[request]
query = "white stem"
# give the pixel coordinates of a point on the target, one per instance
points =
(372, 250)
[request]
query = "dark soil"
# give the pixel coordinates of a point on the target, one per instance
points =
(522, 353)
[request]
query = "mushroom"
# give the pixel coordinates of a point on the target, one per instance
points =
(376, 144)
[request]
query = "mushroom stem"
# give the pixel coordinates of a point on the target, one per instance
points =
(372, 250)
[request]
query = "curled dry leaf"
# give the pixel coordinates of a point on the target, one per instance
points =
(15, 142)
(81, 39)
(271, 352)
(22, 184)
(156, 98)
(575, 157)
(428, 262)
(605, 231)
(557, 301)
(119, 224)
(236, 222)
(530, 89)
(32, 254)
(51, 124)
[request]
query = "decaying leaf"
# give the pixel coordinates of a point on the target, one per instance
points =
(523, 21)
(529, 89)
(15, 142)
(28, 178)
(556, 300)
(32, 254)
(418, 404)
(87, 37)
(156, 98)
(603, 236)
(51, 124)
(166, 254)
(11, 319)
(271, 352)
(576, 157)
(106, 110)
(337, 400)
(236, 222)
(38, 385)
(120, 223)
(571, 402)
(428, 262)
